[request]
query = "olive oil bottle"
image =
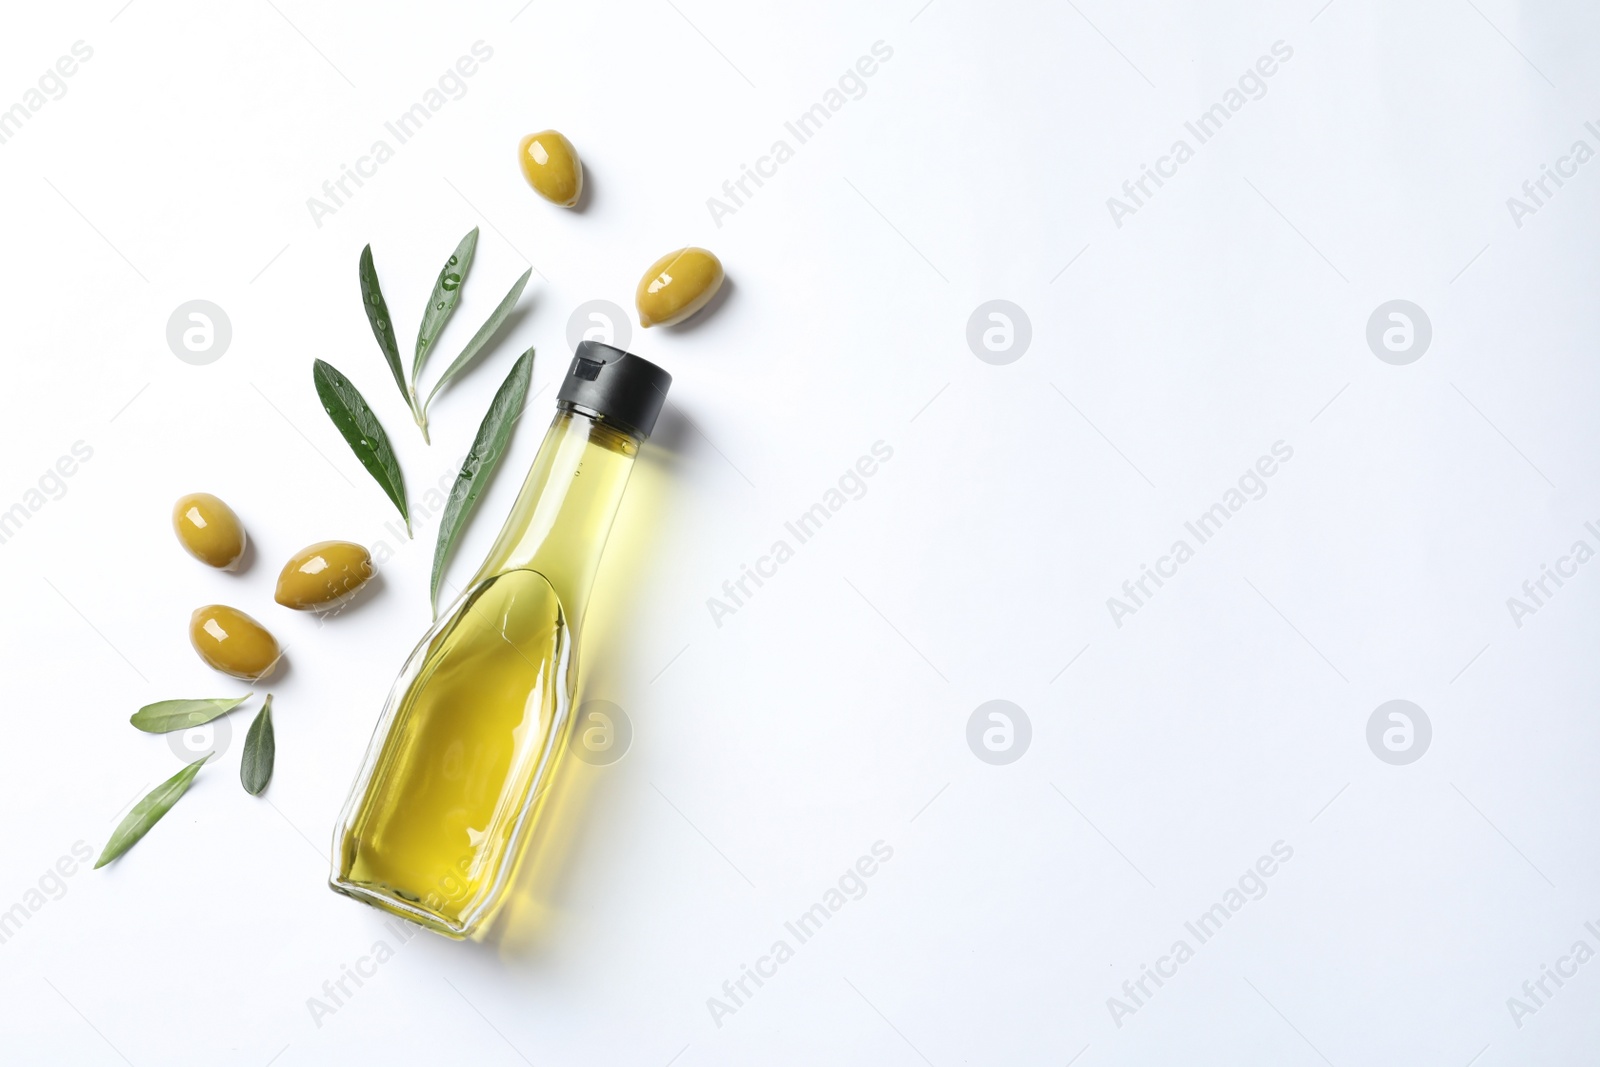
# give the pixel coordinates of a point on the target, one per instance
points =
(477, 721)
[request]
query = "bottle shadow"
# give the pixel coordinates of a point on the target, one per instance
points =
(544, 887)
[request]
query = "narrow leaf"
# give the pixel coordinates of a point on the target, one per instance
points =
(255, 766)
(382, 325)
(148, 812)
(446, 291)
(165, 716)
(482, 458)
(361, 430)
(485, 333)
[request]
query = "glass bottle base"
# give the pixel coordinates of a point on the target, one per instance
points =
(386, 899)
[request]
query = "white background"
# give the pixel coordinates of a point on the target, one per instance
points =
(830, 711)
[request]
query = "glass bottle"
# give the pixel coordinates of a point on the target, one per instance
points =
(476, 722)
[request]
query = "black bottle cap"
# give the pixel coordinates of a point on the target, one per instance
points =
(618, 386)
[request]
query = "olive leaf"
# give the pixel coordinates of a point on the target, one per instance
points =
(255, 766)
(485, 333)
(362, 432)
(382, 325)
(148, 812)
(165, 716)
(446, 291)
(482, 458)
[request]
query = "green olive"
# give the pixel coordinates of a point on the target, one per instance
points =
(322, 575)
(676, 286)
(232, 642)
(552, 167)
(208, 530)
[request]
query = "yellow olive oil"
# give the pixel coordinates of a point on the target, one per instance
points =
(477, 722)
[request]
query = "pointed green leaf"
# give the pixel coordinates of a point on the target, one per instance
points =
(484, 456)
(382, 325)
(148, 812)
(361, 430)
(485, 333)
(446, 291)
(165, 716)
(255, 766)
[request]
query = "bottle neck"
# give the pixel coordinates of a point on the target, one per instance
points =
(562, 517)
